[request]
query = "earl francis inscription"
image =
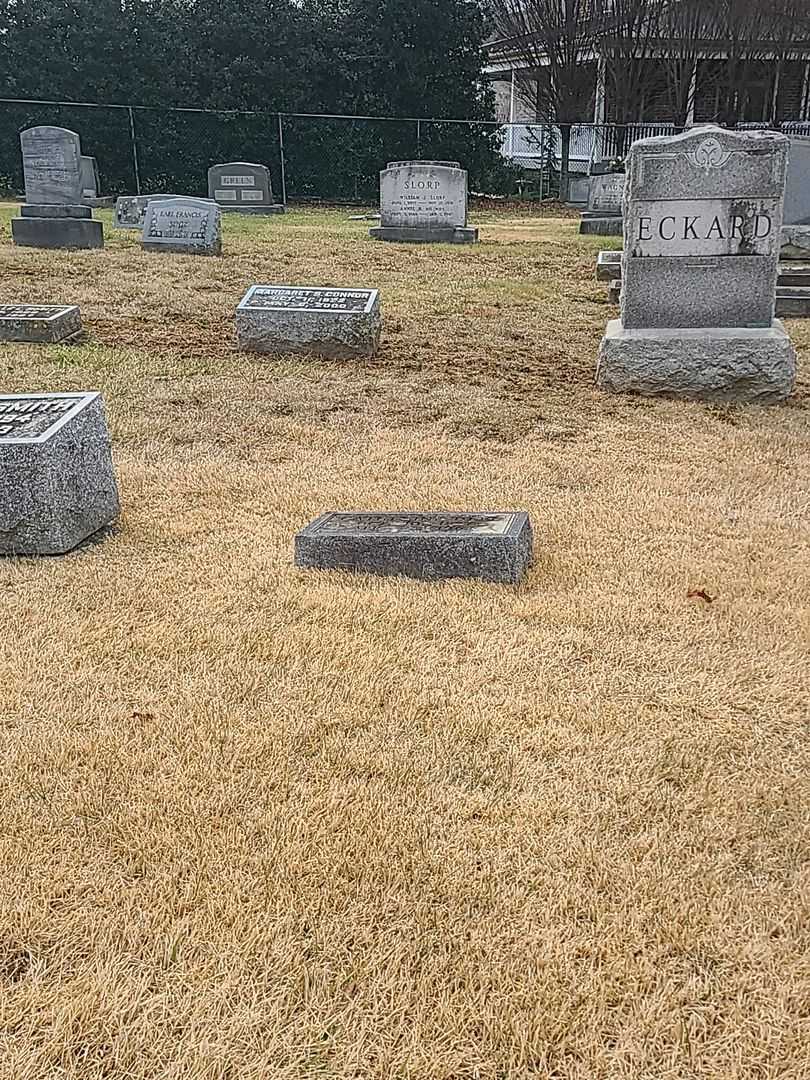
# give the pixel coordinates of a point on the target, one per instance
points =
(336, 323)
(182, 225)
(57, 485)
(489, 546)
(703, 222)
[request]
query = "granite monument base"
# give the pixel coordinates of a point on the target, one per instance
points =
(402, 235)
(724, 364)
(48, 210)
(793, 303)
(57, 232)
(257, 211)
(494, 547)
(57, 485)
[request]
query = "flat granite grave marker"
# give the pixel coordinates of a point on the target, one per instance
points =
(57, 484)
(182, 225)
(39, 322)
(335, 323)
(703, 218)
(54, 215)
(241, 187)
(424, 202)
(489, 546)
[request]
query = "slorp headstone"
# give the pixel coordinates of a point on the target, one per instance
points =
(182, 225)
(703, 216)
(424, 202)
(57, 484)
(336, 323)
(242, 187)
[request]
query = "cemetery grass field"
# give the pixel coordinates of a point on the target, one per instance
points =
(261, 823)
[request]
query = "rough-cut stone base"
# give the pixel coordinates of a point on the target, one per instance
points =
(54, 210)
(708, 364)
(49, 323)
(601, 226)
(260, 211)
(490, 547)
(795, 242)
(51, 232)
(793, 303)
(335, 335)
(395, 234)
(56, 494)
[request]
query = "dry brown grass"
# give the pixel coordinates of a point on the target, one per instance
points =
(264, 824)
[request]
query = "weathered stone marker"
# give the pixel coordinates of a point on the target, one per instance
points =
(604, 214)
(182, 225)
(130, 210)
(54, 216)
(424, 202)
(703, 218)
(488, 546)
(242, 187)
(336, 323)
(39, 322)
(57, 485)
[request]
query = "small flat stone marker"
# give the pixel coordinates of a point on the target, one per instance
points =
(336, 323)
(39, 322)
(488, 546)
(57, 485)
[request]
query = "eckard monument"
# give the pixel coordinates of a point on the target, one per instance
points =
(702, 233)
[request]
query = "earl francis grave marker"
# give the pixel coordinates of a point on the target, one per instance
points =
(57, 485)
(182, 225)
(336, 323)
(424, 202)
(703, 220)
(489, 546)
(242, 187)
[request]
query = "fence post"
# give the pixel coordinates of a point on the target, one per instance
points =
(282, 160)
(419, 139)
(134, 151)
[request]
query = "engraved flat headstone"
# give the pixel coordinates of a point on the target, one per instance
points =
(39, 322)
(336, 323)
(241, 187)
(431, 546)
(424, 202)
(130, 210)
(51, 165)
(57, 485)
(182, 225)
(703, 219)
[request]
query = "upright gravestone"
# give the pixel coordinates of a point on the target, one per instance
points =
(91, 185)
(53, 215)
(241, 187)
(424, 202)
(796, 230)
(703, 216)
(604, 214)
(182, 225)
(57, 485)
(336, 323)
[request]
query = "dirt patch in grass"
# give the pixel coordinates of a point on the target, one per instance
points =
(258, 822)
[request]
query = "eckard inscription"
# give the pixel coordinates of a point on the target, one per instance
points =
(704, 227)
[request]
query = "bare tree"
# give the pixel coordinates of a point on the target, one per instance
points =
(682, 28)
(551, 43)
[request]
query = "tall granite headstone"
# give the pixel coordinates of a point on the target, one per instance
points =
(424, 202)
(53, 215)
(241, 187)
(702, 224)
(182, 225)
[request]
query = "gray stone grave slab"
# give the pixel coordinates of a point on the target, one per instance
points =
(423, 203)
(608, 265)
(793, 302)
(703, 220)
(130, 210)
(39, 322)
(51, 165)
(337, 323)
(242, 187)
(797, 189)
(43, 210)
(50, 232)
(183, 226)
(604, 214)
(57, 484)
(494, 547)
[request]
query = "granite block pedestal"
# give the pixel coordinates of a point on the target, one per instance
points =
(339, 324)
(57, 232)
(57, 485)
(404, 235)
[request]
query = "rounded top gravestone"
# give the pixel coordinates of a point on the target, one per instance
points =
(441, 164)
(51, 165)
(423, 195)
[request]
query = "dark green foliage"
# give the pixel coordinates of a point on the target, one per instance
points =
(401, 58)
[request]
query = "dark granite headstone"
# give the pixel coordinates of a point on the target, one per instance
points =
(242, 187)
(488, 546)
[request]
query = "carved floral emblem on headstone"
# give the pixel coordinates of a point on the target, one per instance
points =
(709, 155)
